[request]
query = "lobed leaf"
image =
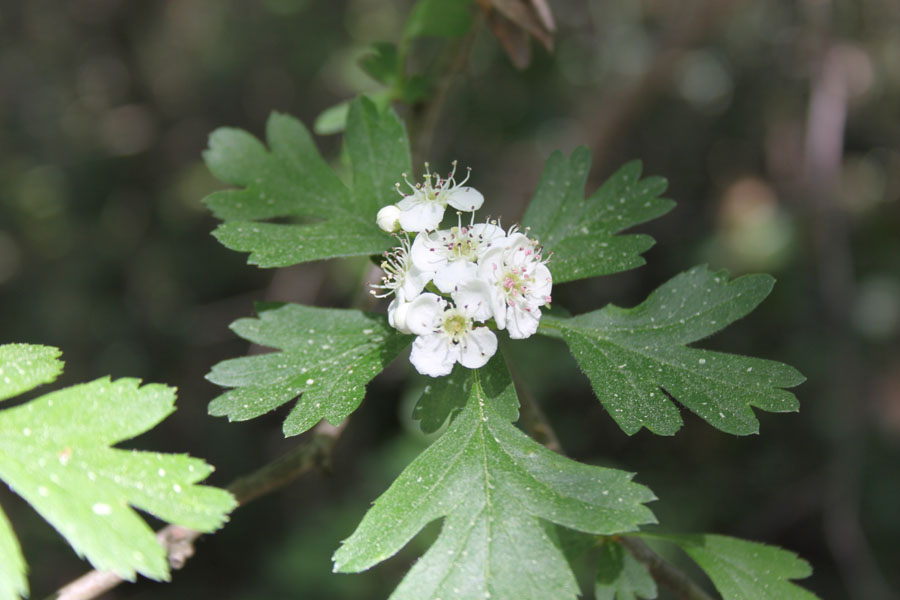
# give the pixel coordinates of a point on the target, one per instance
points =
(636, 358)
(743, 570)
(316, 215)
(620, 576)
(23, 367)
(496, 489)
(581, 233)
(327, 355)
(56, 453)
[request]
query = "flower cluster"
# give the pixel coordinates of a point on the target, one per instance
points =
(473, 274)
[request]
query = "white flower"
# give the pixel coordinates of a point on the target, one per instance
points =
(388, 218)
(519, 283)
(452, 254)
(423, 209)
(403, 279)
(446, 334)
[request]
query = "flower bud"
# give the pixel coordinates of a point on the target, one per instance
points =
(387, 218)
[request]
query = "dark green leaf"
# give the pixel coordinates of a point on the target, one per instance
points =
(327, 355)
(495, 488)
(439, 18)
(381, 63)
(620, 576)
(317, 215)
(582, 233)
(743, 570)
(636, 358)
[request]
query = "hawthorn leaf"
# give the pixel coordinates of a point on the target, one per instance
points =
(316, 215)
(13, 583)
(744, 570)
(636, 358)
(444, 397)
(332, 120)
(23, 367)
(581, 233)
(439, 18)
(382, 63)
(620, 576)
(327, 356)
(497, 490)
(56, 452)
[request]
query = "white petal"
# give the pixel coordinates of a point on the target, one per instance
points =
(421, 215)
(465, 198)
(477, 348)
(433, 355)
(428, 252)
(397, 312)
(490, 264)
(522, 323)
(473, 298)
(425, 314)
(543, 283)
(415, 281)
(447, 277)
(387, 218)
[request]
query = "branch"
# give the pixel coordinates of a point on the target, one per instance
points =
(313, 453)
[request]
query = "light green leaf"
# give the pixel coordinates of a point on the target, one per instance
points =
(23, 367)
(56, 453)
(439, 18)
(581, 232)
(743, 570)
(12, 564)
(637, 357)
(496, 489)
(332, 120)
(327, 355)
(620, 576)
(317, 215)
(446, 396)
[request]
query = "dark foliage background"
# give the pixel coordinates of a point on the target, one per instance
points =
(776, 123)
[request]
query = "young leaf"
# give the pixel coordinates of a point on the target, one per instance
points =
(327, 355)
(319, 216)
(581, 232)
(332, 120)
(495, 488)
(439, 18)
(13, 584)
(743, 570)
(57, 454)
(23, 367)
(620, 576)
(637, 357)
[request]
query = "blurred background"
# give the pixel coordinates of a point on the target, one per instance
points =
(776, 122)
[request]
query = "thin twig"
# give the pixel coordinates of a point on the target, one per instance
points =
(664, 573)
(178, 542)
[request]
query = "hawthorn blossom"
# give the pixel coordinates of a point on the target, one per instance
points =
(452, 254)
(403, 279)
(519, 284)
(423, 208)
(446, 332)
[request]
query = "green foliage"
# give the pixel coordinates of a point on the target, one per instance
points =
(327, 355)
(382, 63)
(496, 489)
(636, 358)
(620, 576)
(439, 18)
(57, 454)
(319, 215)
(743, 570)
(581, 233)
(24, 367)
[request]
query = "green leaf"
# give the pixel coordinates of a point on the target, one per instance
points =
(620, 576)
(439, 18)
(743, 570)
(12, 564)
(327, 355)
(23, 367)
(637, 357)
(332, 120)
(381, 63)
(56, 453)
(445, 396)
(318, 215)
(582, 233)
(496, 489)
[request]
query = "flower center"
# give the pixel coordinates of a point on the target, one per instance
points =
(456, 325)
(462, 246)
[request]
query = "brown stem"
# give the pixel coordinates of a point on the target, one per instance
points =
(179, 542)
(664, 573)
